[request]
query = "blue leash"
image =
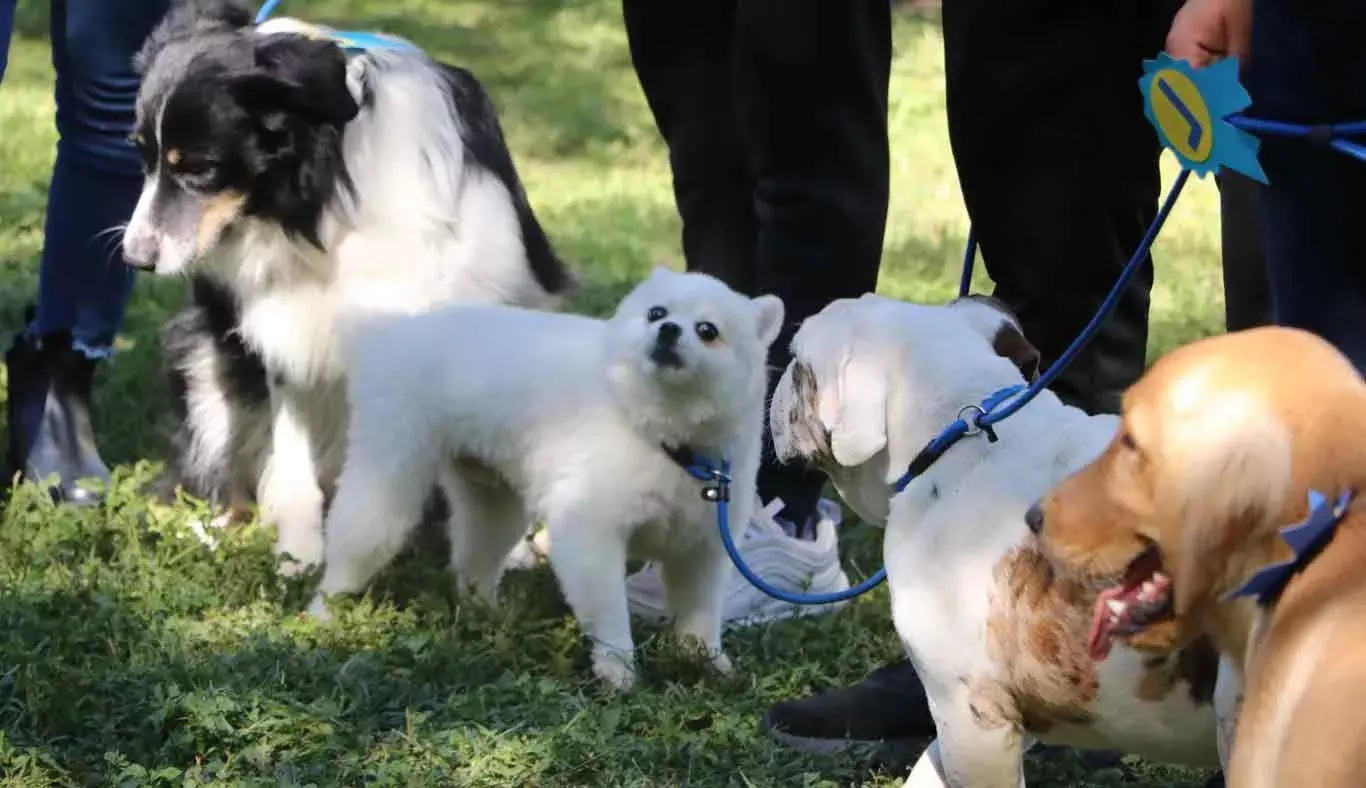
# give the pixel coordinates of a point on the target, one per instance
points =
(973, 420)
(267, 9)
(1005, 403)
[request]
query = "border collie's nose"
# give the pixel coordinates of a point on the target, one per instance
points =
(669, 334)
(139, 252)
(1034, 518)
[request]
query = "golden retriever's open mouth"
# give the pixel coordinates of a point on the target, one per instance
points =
(1140, 599)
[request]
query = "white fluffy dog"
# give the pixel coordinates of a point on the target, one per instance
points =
(999, 640)
(580, 423)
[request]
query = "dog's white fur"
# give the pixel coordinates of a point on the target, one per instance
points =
(429, 230)
(561, 418)
(888, 377)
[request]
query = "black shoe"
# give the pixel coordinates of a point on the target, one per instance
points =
(49, 416)
(884, 715)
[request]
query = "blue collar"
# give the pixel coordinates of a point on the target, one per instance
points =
(1306, 539)
(348, 40)
(969, 422)
(360, 41)
(703, 469)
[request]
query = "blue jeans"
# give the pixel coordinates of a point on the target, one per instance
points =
(1310, 67)
(83, 285)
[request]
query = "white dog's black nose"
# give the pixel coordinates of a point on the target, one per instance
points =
(1034, 518)
(669, 332)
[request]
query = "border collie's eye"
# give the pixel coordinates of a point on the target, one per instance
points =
(707, 332)
(656, 314)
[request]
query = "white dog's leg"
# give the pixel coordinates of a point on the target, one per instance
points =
(589, 559)
(381, 492)
(928, 771)
(288, 492)
(694, 586)
(967, 754)
(486, 521)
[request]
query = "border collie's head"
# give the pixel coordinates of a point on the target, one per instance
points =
(232, 122)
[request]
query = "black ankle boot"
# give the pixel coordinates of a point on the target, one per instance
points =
(49, 416)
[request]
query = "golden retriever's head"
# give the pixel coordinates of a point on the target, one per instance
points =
(1219, 443)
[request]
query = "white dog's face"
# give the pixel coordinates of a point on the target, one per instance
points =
(687, 334)
(864, 370)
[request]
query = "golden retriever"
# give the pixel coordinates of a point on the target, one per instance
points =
(1220, 444)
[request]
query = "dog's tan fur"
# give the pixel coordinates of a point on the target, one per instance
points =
(1221, 442)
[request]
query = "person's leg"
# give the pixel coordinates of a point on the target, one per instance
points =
(1058, 209)
(83, 284)
(1247, 299)
(1310, 68)
(1059, 170)
(682, 51)
(6, 30)
(812, 79)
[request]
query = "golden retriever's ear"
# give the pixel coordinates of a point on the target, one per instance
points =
(852, 405)
(993, 320)
(1229, 474)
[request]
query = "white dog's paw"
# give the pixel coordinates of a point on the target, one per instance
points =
(290, 567)
(615, 670)
(722, 664)
(529, 553)
(318, 609)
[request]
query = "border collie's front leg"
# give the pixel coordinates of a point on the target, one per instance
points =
(289, 495)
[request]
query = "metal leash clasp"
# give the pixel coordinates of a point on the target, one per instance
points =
(719, 489)
(966, 415)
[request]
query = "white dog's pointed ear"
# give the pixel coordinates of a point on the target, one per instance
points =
(769, 319)
(993, 320)
(853, 407)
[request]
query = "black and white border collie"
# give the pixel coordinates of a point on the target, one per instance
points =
(308, 191)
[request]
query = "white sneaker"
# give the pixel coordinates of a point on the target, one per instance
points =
(780, 558)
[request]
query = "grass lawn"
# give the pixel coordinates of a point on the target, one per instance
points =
(132, 655)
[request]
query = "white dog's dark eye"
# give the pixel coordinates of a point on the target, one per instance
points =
(707, 331)
(656, 314)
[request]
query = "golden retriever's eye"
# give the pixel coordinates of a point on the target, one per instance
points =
(1126, 439)
(656, 314)
(707, 332)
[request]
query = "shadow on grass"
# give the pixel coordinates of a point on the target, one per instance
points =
(135, 656)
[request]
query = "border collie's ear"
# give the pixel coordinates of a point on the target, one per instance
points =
(189, 18)
(994, 320)
(295, 74)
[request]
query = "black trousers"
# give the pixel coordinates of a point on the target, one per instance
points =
(1059, 168)
(1247, 292)
(775, 115)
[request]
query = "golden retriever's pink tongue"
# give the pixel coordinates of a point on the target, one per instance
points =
(1099, 643)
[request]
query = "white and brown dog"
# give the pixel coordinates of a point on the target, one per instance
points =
(1000, 642)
